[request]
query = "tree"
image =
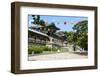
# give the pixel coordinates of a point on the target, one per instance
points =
(36, 19)
(69, 36)
(81, 34)
(39, 22)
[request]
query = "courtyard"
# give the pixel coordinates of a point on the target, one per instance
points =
(57, 56)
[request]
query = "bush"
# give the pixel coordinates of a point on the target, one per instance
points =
(37, 49)
(30, 50)
(54, 49)
(46, 48)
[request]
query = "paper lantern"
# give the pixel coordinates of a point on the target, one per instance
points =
(65, 23)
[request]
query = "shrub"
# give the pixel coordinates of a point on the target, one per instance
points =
(37, 49)
(30, 50)
(54, 49)
(46, 48)
(34, 49)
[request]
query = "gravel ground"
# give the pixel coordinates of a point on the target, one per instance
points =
(57, 56)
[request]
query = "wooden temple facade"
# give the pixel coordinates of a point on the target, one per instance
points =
(36, 37)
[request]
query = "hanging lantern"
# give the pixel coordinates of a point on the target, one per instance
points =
(65, 23)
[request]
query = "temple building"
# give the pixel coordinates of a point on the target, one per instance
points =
(50, 38)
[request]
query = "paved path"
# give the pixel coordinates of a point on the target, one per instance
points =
(57, 56)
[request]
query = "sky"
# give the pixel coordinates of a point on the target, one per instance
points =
(65, 23)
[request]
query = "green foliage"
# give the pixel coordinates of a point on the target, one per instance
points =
(51, 27)
(39, 22)
(69, 36)
(30, 50)
(45, 48)
(81, 35)
(54, 49)
(34, 49)
(36, 19)
(39, 49)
